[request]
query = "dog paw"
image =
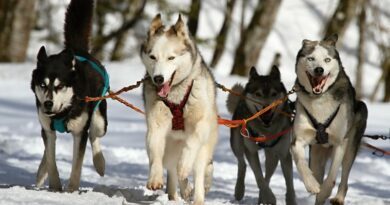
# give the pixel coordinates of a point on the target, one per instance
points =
(155, 183)
(312, 185)
(239, 191)
(55, 187)
(266, 197)
(71, 188)
(337, 201)
(99, 163)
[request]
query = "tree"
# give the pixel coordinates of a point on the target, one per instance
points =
(220, 41)
(362, 36)
(17, 19)
(193, 16)
(344, 13)
(255, 36)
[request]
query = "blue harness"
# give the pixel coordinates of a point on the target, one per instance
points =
(59, 124)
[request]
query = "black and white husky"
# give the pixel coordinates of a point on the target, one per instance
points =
(329, 118)
(60, 83)
(261, 91)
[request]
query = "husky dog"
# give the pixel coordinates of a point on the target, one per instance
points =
(260, 92)
(329, 118)
(60, 83)
(181, 113)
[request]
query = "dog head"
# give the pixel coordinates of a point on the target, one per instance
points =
(52, 81)
(168, 55)
(318, 64)
(264, 90)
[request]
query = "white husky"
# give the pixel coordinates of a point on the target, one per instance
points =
(181, 112)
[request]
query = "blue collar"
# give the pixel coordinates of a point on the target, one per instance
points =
(59, 124)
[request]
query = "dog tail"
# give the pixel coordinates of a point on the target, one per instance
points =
(233, 100)
(78, 25)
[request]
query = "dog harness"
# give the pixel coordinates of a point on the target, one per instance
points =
(252, 133)
(321, 134)
(177, 110)
(59, 124)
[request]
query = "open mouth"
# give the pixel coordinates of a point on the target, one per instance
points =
(164, 89)
(317, 83)
(49, 113)
(267, 116)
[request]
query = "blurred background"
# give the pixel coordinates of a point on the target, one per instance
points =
(232, 35)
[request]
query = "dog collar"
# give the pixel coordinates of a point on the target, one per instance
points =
(321, 134)
(177, 110)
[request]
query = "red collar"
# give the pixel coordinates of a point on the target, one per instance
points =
(177, 110)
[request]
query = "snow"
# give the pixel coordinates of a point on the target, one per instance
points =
(21, 146)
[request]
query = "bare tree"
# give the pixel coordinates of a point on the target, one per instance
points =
(193, 16)
(104, 7)
(17, 19)
(344, 13)
(362, 36)
(220, 41)
(255, 36)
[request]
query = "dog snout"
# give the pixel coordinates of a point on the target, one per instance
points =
(48, 105)
(158, 79)
(318, 71)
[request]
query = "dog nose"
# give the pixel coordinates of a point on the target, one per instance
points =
(159, 79)
(48, 104)
(318, 71)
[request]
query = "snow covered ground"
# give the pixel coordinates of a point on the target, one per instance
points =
(21, 146)
(21, 149)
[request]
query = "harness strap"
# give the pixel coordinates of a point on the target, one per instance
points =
(59, 124)
(177, 110)
(321, 134)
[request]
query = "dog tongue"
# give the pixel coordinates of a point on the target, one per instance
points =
(318, 84)
(163, 90)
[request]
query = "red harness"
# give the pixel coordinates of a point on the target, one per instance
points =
(177, 110)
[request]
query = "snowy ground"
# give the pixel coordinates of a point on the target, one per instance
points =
(21, 149)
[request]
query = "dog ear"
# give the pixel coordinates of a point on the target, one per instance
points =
(275, 73)
(155, 25)
(253, 72)
(310, 43)
(331, 40)
(42, 56)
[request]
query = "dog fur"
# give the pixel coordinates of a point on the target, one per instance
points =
(264, 90)
(172, 63)
(60, 84)
(325, 87)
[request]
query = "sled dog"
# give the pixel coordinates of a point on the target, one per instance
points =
(261, 91)
(181, 113)
(328, 118)
(60, 83)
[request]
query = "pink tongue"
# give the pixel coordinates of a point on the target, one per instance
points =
(163, 90)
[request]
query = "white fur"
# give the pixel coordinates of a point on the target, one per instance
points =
(319, 54)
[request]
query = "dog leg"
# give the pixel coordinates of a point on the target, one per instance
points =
(265, 195)
(42, 170)
(298, 153)
(271, 161)
(237, 145)
(50, 152)
(97, 131)
(172, 184)
(199, 176)
(327, 186)
(186, 190)
(155, 144)
(318, 158)
(287, 169)
(79, 144)
(208, 176)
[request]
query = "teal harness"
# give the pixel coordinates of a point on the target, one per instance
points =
(59, 124)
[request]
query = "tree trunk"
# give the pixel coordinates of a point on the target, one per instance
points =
(17, 19)
(362, 37)
(118, 51)
(193, 16)
(344, 13)
(255, 36)
(386, 71)
(223, 33)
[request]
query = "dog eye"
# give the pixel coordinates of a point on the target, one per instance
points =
(42, 85)
(171, 58)
(59, 87)
(327, 60)
(152, 57)
(310, 59)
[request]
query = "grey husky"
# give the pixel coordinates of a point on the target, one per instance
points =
(264, 90)
(329, 118)
(181, 111)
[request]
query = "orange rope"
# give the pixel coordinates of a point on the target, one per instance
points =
(376, 149)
